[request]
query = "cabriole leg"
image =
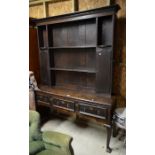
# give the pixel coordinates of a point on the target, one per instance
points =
(108, 149)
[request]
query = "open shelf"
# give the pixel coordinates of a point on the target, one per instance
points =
(80, 60)
(105, 31)
(72, 80)
(75, 70)
(72, 34)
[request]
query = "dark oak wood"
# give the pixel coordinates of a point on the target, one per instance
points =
(82, 95)
(76, 55)
(83, 102)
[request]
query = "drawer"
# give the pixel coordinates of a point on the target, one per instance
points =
(93, 110)
(64, 104)
(42, 97)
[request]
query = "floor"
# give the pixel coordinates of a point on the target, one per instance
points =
(87, 139)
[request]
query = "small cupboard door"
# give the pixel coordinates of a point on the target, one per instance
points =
(104, 70)
(44, 69)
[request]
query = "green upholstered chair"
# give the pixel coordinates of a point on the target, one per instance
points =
(48, 142)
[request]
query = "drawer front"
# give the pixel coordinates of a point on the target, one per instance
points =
(42, 97)
(94, 111)
(64, 104)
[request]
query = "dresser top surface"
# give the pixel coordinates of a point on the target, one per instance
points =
(83, 95)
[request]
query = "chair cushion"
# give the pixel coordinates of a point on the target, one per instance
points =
(49, 152)
(35, 147)
(55, 138)
(53, 148)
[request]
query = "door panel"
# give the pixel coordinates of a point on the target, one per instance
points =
(104, 70)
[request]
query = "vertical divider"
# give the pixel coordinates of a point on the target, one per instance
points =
(38, 37)
(96, 49)
(113, 30)
(96, 31)
(113, 47)
(48, 55)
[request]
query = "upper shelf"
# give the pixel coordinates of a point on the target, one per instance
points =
(65, 47)
(74, 70)
(73, 47)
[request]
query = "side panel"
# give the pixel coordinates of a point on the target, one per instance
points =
(44, 71)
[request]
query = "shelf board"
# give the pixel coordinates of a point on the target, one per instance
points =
(75, 70)
(72, 47)
(104, 46)
(66, 47)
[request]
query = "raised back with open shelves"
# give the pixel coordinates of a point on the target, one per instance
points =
(76, 53)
